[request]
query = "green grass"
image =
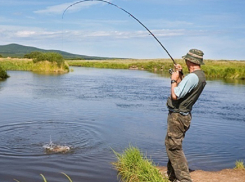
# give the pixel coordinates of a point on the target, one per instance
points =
(132, 166)
(221, 69)
(212, 68)
(239, 165)
(225, 69)
(16, 64)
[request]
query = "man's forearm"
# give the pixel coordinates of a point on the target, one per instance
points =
(173, 95)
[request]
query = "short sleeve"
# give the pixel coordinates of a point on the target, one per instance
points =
(189, 82)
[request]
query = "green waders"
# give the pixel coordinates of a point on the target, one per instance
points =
(177, 165)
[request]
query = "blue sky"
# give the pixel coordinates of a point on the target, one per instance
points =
(98, 29)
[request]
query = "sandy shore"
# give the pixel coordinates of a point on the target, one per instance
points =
(225, 175)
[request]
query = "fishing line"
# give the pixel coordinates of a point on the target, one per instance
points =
(129, 15)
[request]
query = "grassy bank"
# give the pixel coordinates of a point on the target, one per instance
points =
(212, 68)
(132, 166)
(28, 65)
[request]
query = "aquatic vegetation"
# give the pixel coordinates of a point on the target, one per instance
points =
(132, 166)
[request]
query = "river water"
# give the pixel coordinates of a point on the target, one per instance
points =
(96, 110)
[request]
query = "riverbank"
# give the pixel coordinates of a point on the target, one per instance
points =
(133, 165)
(233, 175)
(22, 64)
(213, 68)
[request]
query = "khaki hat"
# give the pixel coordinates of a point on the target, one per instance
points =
(195, 56)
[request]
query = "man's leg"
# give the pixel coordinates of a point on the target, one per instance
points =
(177, 126)
(180, 166)
(170, 171)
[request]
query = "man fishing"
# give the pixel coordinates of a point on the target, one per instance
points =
(184, 93)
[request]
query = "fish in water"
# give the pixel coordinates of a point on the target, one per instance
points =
(57, 149)
(53, 148)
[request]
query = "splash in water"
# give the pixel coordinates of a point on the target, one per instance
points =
(53, 148)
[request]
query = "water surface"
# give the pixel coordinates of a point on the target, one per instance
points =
(96, 110)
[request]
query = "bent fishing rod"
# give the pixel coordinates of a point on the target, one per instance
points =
(129, 15)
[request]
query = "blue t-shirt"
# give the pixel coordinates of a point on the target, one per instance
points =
(189, 82)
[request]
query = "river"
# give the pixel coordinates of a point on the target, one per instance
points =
(96, 110)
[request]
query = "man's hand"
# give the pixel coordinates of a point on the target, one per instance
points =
(178, 67)
(175, 76)
(178, 77)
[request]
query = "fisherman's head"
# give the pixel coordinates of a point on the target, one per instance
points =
(194, 56)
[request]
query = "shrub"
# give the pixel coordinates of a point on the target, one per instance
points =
(32, 55)
(3, 74)
(51, 57)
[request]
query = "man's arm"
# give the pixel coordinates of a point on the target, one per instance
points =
(180, 89)
(176, 79)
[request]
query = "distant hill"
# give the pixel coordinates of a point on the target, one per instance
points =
(18, 51)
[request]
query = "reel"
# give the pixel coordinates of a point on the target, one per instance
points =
(170, 71)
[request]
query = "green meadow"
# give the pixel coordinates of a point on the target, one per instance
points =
(213, 68)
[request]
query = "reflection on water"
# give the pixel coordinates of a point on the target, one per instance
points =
(93, 111)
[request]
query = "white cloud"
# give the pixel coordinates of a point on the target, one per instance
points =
(59, 9)
(121, 34)
(12, 32)
(25, 33)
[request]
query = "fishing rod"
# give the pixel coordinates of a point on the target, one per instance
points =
(127, 13)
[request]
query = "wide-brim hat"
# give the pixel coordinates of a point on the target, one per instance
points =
(195, 56)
